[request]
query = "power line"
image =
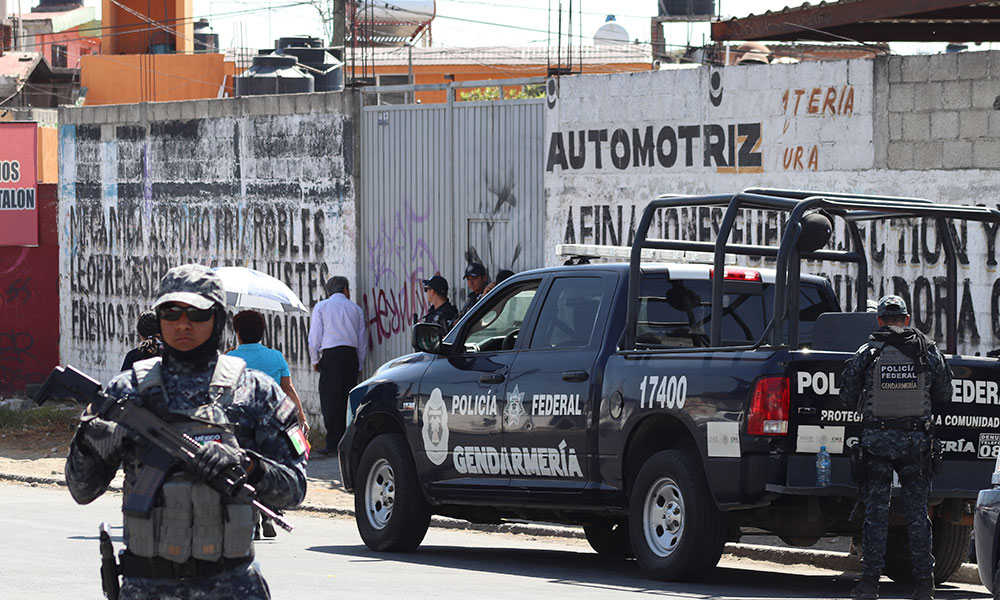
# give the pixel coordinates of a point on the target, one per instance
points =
(159, 73)
(389, 5)
(140, 30)
(542, 8)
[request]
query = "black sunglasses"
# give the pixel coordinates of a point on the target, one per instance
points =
(172, 312)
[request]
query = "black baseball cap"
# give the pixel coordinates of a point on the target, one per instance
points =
(438, 284)
(892, 305)
(475, 270)
(192, 284)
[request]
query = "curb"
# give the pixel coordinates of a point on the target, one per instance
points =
(836, 561)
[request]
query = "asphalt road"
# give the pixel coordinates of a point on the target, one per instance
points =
(49, 551)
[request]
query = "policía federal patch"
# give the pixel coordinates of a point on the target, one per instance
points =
(284, 410)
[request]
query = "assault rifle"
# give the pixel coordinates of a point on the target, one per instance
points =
(165, 447)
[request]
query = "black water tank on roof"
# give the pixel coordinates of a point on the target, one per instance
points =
(56, 5)
(298, 41)
(274, 74)
(678, 8)
(205, 38)
(327, 71)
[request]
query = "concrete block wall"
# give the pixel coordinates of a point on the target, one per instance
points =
(944, 111)
(266, 182)
(921, 126)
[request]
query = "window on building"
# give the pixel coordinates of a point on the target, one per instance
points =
(395, 97)
(59, 56)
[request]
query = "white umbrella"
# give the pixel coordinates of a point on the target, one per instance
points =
(247, 288)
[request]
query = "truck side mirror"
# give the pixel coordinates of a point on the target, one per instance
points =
(426, 337)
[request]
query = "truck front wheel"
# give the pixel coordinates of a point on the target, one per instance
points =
(609, 539)
(390, 510)
(677, 531)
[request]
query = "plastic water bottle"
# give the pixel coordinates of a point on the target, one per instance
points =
(822, 467)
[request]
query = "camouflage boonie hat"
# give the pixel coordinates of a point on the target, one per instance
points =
(196, 285)
(892, 305)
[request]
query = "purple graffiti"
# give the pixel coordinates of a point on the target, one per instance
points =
(398, 242)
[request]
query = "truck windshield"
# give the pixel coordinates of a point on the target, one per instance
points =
(677, 313)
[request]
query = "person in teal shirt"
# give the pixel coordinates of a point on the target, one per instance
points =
(249, 326)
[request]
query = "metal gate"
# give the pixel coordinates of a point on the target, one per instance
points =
(443, 185)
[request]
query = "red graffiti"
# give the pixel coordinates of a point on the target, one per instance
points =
(792, 160)
(830, 101)
(390, 312)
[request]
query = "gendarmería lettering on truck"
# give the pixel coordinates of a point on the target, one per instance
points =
(666, 407)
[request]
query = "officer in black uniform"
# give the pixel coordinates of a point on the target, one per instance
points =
(477, 280)
(892, 381)
(196, 543)
(441, 311)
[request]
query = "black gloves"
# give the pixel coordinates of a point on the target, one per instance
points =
(214, 459)
(101, 438)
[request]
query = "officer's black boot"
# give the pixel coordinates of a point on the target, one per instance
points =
(867, 589)
(924, 590)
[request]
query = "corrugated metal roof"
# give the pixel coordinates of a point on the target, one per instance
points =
(871, 21)
(802, 7)
(19, 64)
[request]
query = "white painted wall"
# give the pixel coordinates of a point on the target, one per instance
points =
(596, 205)
(271, 192)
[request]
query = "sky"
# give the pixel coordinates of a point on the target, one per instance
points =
(463, 23)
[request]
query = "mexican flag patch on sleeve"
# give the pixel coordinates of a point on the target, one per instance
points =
(298, 439)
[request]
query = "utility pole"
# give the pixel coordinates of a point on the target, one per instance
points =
(339, 24)
(409, 50)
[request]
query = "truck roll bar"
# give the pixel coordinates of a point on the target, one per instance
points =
(852, 208)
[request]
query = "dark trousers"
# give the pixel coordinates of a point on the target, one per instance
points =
(900, 451)
(338, 373)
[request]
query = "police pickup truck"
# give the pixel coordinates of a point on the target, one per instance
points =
(665, 408)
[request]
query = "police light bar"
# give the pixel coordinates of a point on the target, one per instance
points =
(624, 253)
(738, 274)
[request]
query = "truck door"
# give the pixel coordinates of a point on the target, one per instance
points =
(461, 396)
(548, 405)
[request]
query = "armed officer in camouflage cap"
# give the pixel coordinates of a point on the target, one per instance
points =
(195, 543)
(892, 381)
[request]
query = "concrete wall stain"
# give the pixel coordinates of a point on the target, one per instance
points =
(270, 192)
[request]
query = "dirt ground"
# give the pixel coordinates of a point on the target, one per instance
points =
(49, 441)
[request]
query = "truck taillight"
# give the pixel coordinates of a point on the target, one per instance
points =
(769, 407)
(734, 274)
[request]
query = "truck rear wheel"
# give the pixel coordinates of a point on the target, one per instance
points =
(677, 531)
(950, 546)
(389, 508)
(609, 539)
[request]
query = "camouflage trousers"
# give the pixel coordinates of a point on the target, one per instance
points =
(243, 583)
(903, 452)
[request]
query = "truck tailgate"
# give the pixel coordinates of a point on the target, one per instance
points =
(968, 424)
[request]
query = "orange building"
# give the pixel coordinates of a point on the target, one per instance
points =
(143, 27)
(149, 56)
(392, 66)
(130, 78)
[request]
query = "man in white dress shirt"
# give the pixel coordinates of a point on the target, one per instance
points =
(338, 345)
